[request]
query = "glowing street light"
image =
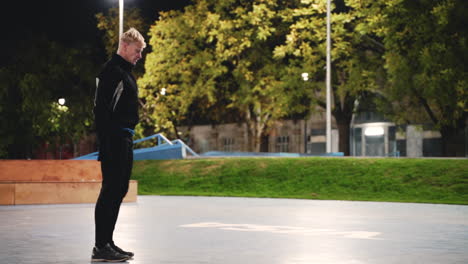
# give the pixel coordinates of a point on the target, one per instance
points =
(61, 101)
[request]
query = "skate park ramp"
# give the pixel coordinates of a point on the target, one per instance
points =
(164, 149)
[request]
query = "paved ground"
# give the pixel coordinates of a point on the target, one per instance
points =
(193, 230)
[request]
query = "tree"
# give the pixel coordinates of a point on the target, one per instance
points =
(40, 73)
(356, 56)
(251, 32)
(184, 71)
(426, 45)
(219, 53)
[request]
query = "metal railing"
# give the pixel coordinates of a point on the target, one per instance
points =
(163, 140)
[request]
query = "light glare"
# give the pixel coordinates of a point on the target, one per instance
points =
(374, 131)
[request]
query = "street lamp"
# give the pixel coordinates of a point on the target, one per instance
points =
(61, 107)
(328, 133)
(61, 101)
(305, 77)
(121, 9)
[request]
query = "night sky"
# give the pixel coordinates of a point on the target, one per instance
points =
(70, 22)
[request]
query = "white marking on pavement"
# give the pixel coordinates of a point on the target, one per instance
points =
(285, 230)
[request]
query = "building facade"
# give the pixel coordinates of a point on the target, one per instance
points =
(370, 136)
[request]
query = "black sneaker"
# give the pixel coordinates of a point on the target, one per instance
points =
(107, 254)
(121, 251)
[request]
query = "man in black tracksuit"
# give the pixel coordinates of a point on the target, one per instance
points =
(116, 115)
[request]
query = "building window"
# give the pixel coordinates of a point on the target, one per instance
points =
(228, 144)
(282, 144)
(316, 142)
(204, 145)
(318, 132)
(357, 143)
(316, 148)
(432, 147)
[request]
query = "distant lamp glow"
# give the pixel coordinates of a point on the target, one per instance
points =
(61, 101)
(374, 131)
(163, 91)
(305, 76)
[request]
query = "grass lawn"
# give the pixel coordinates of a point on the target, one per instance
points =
(361, 179)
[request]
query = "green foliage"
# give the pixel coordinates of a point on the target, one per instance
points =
(30, 86)
(356, 56)
(426, 52)
(224, 61)
(397, 180)
(215, 58)
(174, 67)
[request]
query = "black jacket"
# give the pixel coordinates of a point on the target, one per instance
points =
(116, 99)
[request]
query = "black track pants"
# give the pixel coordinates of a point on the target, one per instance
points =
(116, 155)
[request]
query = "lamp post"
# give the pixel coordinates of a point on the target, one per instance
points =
(305, 77)
(328, 80)
(62, 107)
(121, 9)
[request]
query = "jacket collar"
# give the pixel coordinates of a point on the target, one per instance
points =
(127, 66)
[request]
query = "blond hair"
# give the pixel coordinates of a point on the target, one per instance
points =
(132, 35)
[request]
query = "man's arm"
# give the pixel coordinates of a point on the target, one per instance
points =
(108, 92)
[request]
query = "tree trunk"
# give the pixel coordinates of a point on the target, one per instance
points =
(257, 143)
(250, 137)
(343, 113)
(343, 130)
(255, 137)
(343, 121)
(264, 143)
(453, 141)
(259, 128)
(255, 130)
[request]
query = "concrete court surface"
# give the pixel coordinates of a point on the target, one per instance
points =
(198, 230)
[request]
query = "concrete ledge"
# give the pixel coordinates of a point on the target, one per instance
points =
(50, 170)
(59, 193)
(7, 193)
(53, 182)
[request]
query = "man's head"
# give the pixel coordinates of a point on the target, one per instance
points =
(131, 45)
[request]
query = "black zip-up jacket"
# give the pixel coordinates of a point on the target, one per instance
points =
(116, 100)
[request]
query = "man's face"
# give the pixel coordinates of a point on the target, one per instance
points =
(132, 51)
